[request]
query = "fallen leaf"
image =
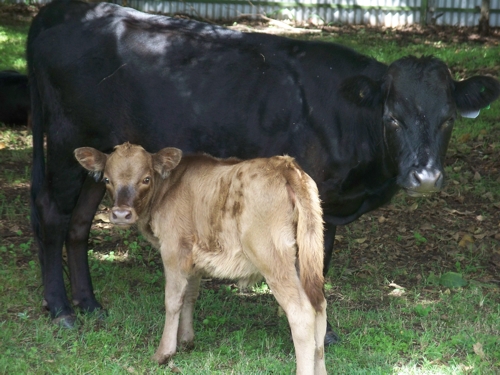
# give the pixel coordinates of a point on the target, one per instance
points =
(413, 207)
(103, 216)
(397, 293)
(2, 145)
(478, 349)
(466, 240)
(480, 218)
(489, 196)
(381, 219)
(463, 138)
(477, 176)
(360, 240)
(394, 285)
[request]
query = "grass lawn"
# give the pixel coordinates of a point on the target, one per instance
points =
(393, 293)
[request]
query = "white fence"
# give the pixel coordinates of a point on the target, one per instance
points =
(369, 12)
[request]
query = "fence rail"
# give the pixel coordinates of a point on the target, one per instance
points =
(370, 12)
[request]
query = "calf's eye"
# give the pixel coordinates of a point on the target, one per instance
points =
(146, 181)
(106, 180)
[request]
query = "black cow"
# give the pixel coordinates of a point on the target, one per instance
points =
(14, 98)
(101, 75)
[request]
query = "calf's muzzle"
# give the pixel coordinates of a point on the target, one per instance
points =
(123, 215)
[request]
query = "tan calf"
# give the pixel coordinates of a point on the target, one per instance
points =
(229, 219)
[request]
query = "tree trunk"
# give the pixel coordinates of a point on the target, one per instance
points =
(484, 21)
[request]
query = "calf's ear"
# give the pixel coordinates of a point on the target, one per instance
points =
(92, 160)
(476, 93)
(165, 160)
(362, 91)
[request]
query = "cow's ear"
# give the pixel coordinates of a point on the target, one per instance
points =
(476, 93)
(92, 160)
(165, 160)
(362, 91)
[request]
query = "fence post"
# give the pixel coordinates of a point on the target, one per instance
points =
(423, 13)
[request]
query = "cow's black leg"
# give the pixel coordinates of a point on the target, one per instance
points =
(330, 231)
(53, 230)
(77, 245)
(331, 337)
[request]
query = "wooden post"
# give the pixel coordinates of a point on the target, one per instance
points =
(484, 20)
(423, 13)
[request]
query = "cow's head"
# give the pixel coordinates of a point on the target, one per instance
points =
(420, 102)
(129, 173)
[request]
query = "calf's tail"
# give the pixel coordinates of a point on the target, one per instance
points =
(309, 234)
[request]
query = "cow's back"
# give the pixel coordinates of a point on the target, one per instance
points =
(119, 75)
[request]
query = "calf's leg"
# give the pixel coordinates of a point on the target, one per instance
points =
(175, 289)
(320, 327)
(303, 323)
(185, 333)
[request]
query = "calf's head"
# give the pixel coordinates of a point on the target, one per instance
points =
(419, 102)
(130, 173)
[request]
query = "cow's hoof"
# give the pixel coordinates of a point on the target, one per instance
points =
(65, 321)
(100, 314)
(331, 338)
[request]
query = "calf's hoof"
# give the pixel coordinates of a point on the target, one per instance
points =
(65, 321)
(161, 359)
(331, 337)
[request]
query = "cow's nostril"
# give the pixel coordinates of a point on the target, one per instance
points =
(439, 180)
(129, 216)
(417, 178)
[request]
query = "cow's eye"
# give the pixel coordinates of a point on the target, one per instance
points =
(146, 181)
(394, 123)
(447, 123)
(106, 180)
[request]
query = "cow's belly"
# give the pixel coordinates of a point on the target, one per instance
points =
(340, 209)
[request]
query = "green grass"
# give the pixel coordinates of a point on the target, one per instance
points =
(13, 45)
(425, 329)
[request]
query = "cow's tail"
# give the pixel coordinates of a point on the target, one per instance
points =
(38, 166)
(309, 234)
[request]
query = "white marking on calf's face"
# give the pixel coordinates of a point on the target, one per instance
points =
(129, 172)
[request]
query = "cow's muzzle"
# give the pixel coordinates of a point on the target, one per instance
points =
(423, 182)
(123, 216)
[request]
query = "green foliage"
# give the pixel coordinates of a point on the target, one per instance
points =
(13, 46)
